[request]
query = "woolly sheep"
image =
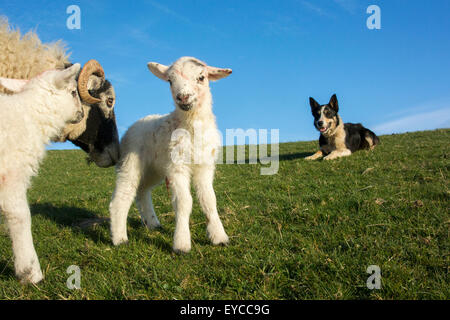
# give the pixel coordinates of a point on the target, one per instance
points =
(29, 120)
(163, 147)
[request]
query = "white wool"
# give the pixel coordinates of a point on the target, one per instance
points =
(149, 147)
(29, 119)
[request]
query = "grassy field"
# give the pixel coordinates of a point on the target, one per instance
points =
(308, 232)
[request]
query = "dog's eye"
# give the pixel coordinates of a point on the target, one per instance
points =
(110, 102)
(201, 78)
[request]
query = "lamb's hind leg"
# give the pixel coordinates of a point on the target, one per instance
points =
(145, 206)
(18, 218)
(203, 182)
(128, 178)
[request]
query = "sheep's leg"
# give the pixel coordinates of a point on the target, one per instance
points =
(127, 182)
(182, 203)
(203, 182)
(145, 206)
(18, 219)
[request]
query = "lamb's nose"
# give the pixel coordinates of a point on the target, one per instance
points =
(183, 97)
(79, 117)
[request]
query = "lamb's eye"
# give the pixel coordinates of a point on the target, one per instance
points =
(110, 102)
(74, 94)
(201, 78)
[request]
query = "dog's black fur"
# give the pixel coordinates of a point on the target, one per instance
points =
(338, 139)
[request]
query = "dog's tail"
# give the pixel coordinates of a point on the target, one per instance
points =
(371, 138)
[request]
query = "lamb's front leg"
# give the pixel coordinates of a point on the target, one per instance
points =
(18, 218)
(203, 182)
(182, 203)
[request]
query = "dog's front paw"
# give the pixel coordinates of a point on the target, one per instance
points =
(315, 156)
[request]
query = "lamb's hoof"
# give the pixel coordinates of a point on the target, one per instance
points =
(219, 239)
(159, 228)
(30, 276)
(180, 252)
(152, 225)
(216, 234)
(121, 241)
(181, 249)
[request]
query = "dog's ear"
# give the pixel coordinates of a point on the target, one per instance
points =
(334, 103)
(313, 103)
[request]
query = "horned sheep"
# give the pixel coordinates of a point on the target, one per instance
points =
(177, 147)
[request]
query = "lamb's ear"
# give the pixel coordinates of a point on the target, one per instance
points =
(313, 103)
(13, 85)
(334, 103)
(64, 77)
(158, 70)
(215, 74)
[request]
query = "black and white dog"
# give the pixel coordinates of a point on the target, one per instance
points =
(338, 139)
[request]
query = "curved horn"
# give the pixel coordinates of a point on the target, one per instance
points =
(91, 67)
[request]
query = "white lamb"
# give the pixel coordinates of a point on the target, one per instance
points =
(176, 147)
(28, 120)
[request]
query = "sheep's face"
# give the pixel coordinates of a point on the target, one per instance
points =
(189, 80)
(60, 84)
(99, 136)
(66, 87)
(97, 133)
(188, 83)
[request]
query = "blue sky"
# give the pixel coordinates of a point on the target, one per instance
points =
(281, 52)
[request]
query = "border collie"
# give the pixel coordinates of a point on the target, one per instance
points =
(338, 139)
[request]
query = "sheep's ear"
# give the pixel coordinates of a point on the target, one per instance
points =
(13, 85)
(334, 103)
(158, 70)
(313, 103)
(218, 73)
(64, 77)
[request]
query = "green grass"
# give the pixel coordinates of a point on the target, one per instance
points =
(308, 232)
